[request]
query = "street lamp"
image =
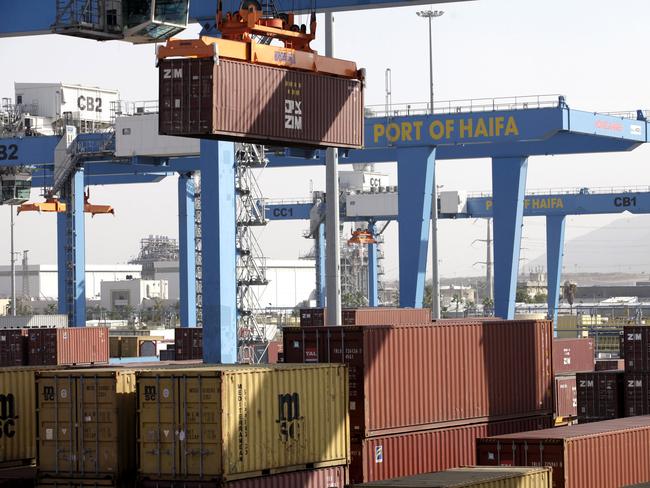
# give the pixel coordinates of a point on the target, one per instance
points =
(430, 15)
(435, 278)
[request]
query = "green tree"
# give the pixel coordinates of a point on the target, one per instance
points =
(522, 296)
(540, 298)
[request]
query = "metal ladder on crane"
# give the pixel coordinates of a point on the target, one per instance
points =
(251, 265)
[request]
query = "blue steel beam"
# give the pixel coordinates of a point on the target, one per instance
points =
(508, 187)
(187, 259)
(554, 255)
(415, 172)
(288, 211)
(21, 18)
(218, 252)
(71, 254)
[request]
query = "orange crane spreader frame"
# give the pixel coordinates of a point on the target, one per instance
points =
(53, 204)
(238, 43)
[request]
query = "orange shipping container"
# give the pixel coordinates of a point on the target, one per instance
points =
(606, 454)
(404, 378)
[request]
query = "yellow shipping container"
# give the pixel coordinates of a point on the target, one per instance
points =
(474, 477)
(86, 423)
(232, 422)
(17, 416)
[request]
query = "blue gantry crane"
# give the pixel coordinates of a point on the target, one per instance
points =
(554, 205)
(506, 130)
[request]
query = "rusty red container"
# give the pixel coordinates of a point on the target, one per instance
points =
(566, 397)
(573, 355)
(637, 394)
(600, 395)
(246, 102)
(13, 347)
(392, 456)
(68, 346)
(409, 377)
(636, 348)
(312, 317)
(188, 343)
(386, 316)
(610, 364)
(596, 455)
(274, 352)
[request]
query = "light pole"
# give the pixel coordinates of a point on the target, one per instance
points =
(435, 278)
(13, 264)
(430, 15)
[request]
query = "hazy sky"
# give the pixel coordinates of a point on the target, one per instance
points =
(592, 51)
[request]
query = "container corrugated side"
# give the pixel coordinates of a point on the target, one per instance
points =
(33, 321)
(273, 105)
(447, 372)
(17, 415)
(188, 343)
(247, 421)
(610, 365)
(573, 355)
(86, 423)
(636, 347)
(13, 347)
(329, 477)
(68, 346)
(386, 316)
(566, 397)
(473, 477)
(605, 454)
(637, 394)
(385, 457)
(601, 395)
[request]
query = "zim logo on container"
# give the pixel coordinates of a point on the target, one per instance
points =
(175, 73)
(289, 418)
(8, 415)
(292, 115)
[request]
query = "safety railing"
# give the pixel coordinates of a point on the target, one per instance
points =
(121, 108)
(466, 106)
(629, 114)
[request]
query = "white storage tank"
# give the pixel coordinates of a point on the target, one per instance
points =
(53, 100)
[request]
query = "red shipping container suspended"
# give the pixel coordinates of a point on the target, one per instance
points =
(13, 347)
(597, 455)
(637, 394)
(636, 348)
(566, 397)
(68, 346)
(392, 456)
(409, 377)
(600, 395)
(573, 355)
(246, 102)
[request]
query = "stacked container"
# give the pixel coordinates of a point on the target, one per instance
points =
(605, 454)
(17, 418)
(86, 427)
(217, 425)
(570, 356)
(600, 395)
(473, 477)
(188, 343)
(13, 347)
(415, 388)
(637, 370)
(68, 346)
